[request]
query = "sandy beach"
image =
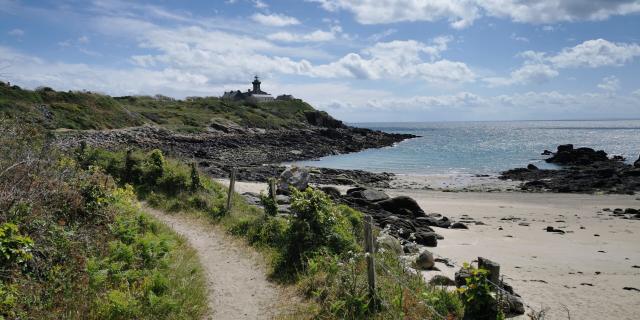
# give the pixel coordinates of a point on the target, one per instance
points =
(578, 270)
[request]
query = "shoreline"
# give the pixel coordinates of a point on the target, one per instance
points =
(586, 273)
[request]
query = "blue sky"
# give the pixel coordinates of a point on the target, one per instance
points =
(361, 60)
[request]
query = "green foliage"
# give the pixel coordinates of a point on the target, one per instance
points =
(477, 296)
(268, 202)
(86, 110)
(15, 249)
(317, 228)
(319, 247)
(195, 178)
(97, 256)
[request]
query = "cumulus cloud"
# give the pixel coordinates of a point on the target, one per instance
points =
(274, 20)
(610, 84)
(596, 53)
(529, 73)
(540, 66)
(400, 60)
(463, 13)
(466, 105)
(197, 49)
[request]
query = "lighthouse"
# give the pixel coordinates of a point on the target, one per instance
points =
(256, 86)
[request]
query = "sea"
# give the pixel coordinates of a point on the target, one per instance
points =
(484, 147)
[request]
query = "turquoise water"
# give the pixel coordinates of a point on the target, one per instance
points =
(484, 147)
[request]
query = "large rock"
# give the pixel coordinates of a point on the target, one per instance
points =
(461, 276)
(637, 163)
(567, 155)
(513, 304)
(389, 243)
(441, 280)
(433, 221)
(367, 194)
(425, 260)
(429, 239)
(402, 205)
(293, 177)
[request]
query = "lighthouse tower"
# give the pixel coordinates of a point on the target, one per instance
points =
(256, 86)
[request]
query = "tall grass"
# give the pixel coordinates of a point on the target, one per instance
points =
(81, 249)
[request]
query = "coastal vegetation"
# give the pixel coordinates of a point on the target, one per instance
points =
(75, 245)
(318, 249)
(89, 110)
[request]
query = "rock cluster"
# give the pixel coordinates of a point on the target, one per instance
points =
(628, 213)
(400, 216)
(582, 170)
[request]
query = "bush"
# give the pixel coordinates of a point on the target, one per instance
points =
(477, 296)
(318, 227)
(15, 249)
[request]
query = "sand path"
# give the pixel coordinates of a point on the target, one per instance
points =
(236, 277)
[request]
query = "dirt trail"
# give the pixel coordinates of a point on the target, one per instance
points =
(237, 282)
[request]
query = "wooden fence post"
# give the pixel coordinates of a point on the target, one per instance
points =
(232, 183)
(272, 189)
(371, 266)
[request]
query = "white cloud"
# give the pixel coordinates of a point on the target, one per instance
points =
(596, 53)
(400, 60)
(459, 12)
(610, 84)
(16, 32)
(83, 40)
(529, 73)
(518, 38)
(260, 4)
(471, 106)
(315, 36)
(540, 67)
(274, 20)
(463, 13)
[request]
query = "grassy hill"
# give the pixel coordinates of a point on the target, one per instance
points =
(88, 110)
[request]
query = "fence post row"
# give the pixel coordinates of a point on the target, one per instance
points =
(371, 267)
(232, 183)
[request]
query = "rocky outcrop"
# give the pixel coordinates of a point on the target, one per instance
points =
(322, 119)
(293, 177)
(637, 163)
(567, 155)
(255, 152)
(401, 216)
(582, 170)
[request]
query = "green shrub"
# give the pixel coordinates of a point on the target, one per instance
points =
(318, 227)
(15, 249)
(477, 296)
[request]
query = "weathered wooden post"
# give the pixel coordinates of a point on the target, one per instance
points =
(272, 189)
(371, 267)
(492, 267)
(232, 184)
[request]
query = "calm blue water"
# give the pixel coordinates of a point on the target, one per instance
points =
(484, 147)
